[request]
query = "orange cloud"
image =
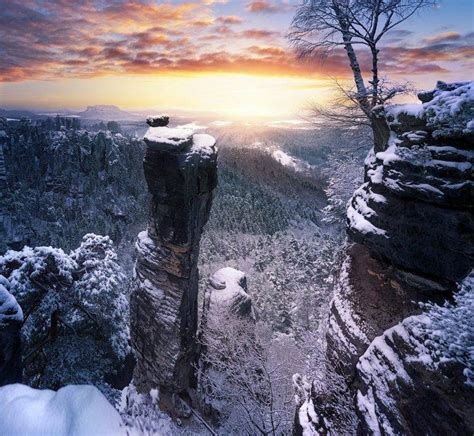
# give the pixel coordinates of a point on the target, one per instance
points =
(261, 6)
(62, 39)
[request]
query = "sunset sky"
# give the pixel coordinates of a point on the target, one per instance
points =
(231, 56)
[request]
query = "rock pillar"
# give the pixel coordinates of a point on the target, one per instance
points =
(181, 173)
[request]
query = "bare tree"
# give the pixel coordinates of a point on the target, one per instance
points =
(323, 25)
(248, 379)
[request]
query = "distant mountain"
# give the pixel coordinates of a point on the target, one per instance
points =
(106, 113)
(16, 113)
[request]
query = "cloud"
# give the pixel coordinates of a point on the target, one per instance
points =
(229, 19)
(62, 39)
(267, 51)
(262, 6)
(259, 34)
(442, 37)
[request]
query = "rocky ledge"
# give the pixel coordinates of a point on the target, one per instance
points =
(416, 207)
(181, 173)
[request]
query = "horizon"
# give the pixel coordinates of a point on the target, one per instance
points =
(230, 58)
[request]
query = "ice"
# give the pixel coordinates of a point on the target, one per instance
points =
(74, 410)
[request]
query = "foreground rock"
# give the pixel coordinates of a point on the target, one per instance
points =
(181, 173)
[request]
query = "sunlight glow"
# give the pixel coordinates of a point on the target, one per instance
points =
(234, 95)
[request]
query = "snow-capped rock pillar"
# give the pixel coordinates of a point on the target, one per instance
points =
(227, 314)
(181, 173)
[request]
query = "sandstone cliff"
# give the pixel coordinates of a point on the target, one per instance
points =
(413, 226)
(181, 173)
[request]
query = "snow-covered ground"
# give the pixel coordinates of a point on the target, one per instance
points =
(75, 410)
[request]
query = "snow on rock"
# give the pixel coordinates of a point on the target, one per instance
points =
(166, 137)
(447, 111)
(180, 138)
(345, 335)
(425, 178)
(204, 144)
(308, 422)
(74, 410)
(227, 292)
(10, 310)
(400, 378)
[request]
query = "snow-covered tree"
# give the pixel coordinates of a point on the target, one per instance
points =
(75, 310)
(450, 332)
(102, 290)
(249, 376)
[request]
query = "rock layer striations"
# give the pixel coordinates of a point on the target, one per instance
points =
(181, 173)
(413, 226)
(416, 208)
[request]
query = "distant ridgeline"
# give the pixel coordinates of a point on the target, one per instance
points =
(407, 362)
(58, 182)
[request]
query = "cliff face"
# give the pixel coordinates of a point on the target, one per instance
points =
(96, 177)
(181, 173)
(412, 223)
(415, 209)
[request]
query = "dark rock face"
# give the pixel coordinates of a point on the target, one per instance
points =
(158, 120)
(181, 173)
(415, 209)
(370, 297)
(11, 319)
